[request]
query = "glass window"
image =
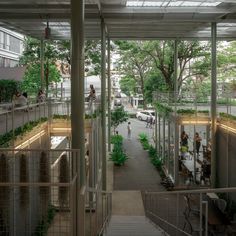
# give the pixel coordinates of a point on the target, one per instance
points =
(1, 39)
(14, 44)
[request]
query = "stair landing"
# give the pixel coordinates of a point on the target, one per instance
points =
(132, 226)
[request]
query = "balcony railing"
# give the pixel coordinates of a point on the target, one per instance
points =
(38, 195)
(13, 117)
(195, 212)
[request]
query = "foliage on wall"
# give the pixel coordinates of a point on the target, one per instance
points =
(7, 137)
(7, 89)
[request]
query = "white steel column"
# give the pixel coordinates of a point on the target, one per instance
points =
(42, 63)
(176, 154)
(77, 107)
(103, 104)
(109, 92)
(213, 103)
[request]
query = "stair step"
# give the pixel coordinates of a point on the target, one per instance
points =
(132, 226)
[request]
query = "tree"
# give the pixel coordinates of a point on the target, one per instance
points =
(134, 64)
(127, 85)
(162, 54)
(153, 83)
(118, 116)
(31, 80)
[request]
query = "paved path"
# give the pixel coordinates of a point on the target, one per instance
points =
(137, 173)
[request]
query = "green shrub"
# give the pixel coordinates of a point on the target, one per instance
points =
(7, 137)
(116, 139)
(152, 151)
(143, 137)
(118, 156)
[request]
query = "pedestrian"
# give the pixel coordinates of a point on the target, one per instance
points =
(150, 122)
(129, 130)
(147, 120)
(184, 139)
(197, 140)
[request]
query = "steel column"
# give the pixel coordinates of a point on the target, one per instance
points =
(77, 106)
(103, 105)
(109, 93)
(176, 154)
(213, 103)
(42, 63)
(156, 145)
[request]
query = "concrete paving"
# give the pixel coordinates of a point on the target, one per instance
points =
(127, 203)
(138, 173)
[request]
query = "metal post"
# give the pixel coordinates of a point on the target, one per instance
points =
(109, 93)
(156, 145)
(103, 104)
(164, 137)
(159, 135)
(176, 155)
(213, 104)
(42, 63)
(77, 104)
(168, 157)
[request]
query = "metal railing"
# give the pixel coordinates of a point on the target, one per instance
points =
(12, 117)
(98, 205)
(37, 191)
(38, 195)
(192, 212)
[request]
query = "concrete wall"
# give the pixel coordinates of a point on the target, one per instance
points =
(226, 159)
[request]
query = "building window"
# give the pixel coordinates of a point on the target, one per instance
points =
(14, 44)
(1, 39)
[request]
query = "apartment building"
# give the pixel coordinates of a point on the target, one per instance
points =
(11, 47)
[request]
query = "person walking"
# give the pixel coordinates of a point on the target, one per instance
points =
(129, 130)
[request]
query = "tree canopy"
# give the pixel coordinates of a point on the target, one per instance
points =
(151, 64)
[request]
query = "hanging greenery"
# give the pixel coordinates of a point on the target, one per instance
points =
(163, 110)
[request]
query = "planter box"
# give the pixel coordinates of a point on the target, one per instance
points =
(64, 123)
(228, 122)
(25, 137)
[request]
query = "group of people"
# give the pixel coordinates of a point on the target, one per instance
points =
(184, 141)
(20, 99)
(150, 122)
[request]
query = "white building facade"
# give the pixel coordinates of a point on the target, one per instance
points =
(11, 47)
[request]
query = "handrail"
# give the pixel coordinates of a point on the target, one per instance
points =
(153, 201)
(209, 190)
(175, 227)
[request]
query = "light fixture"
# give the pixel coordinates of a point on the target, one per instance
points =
(197, 122)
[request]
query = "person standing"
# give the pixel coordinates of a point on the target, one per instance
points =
(129, 130)
(197, 140)
(184, 139)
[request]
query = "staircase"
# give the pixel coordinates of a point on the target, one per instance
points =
(132, 226)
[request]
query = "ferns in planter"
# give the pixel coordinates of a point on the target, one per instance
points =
(118, 156)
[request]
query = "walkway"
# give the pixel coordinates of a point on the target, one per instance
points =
(137, 173)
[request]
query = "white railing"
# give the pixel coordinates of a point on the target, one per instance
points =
(39, 195)
(13, 117)
(37, 191)
(198, 212)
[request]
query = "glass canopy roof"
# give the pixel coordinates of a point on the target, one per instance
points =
(171, 3)
(124, 19)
